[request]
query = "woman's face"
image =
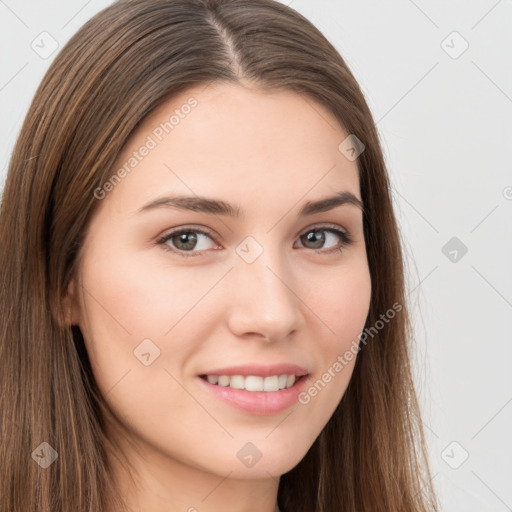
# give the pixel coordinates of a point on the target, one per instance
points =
(262, 294)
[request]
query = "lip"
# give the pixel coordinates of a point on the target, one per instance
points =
(258, 402)
(260, 370)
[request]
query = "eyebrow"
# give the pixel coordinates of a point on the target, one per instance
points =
(219, 207)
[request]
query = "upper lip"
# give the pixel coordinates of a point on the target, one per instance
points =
(260, 370)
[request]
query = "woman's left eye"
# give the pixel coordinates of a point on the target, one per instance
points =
(185, 240)
(312, 236)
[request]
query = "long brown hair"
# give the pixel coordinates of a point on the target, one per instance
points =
(122, 64)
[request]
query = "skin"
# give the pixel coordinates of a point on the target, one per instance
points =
(268, 153)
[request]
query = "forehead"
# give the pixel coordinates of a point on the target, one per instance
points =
(227, 139)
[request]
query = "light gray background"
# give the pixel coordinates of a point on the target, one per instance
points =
(446, 127)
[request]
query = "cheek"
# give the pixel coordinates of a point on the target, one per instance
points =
(342, 308)
(143, 295)
(128, 301)
(342, 304)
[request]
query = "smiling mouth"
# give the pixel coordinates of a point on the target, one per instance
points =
(271, 383)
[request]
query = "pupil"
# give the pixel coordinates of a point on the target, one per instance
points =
(182, 238)
(317, 238)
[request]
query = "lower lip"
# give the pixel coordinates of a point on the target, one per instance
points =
(258, 402)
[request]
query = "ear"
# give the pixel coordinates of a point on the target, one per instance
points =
(71, 305)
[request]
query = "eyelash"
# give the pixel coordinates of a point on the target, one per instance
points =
(345, 237)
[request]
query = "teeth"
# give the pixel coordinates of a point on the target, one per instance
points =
(223, 380)
(253, 382)
(250, 383)
(237, 382)
(213, 379)
(271, 383)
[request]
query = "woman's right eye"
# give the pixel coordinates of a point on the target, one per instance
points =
(185, 240)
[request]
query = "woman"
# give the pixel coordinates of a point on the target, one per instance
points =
(202, 282)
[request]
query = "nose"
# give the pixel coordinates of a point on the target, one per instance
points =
(263, 299)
